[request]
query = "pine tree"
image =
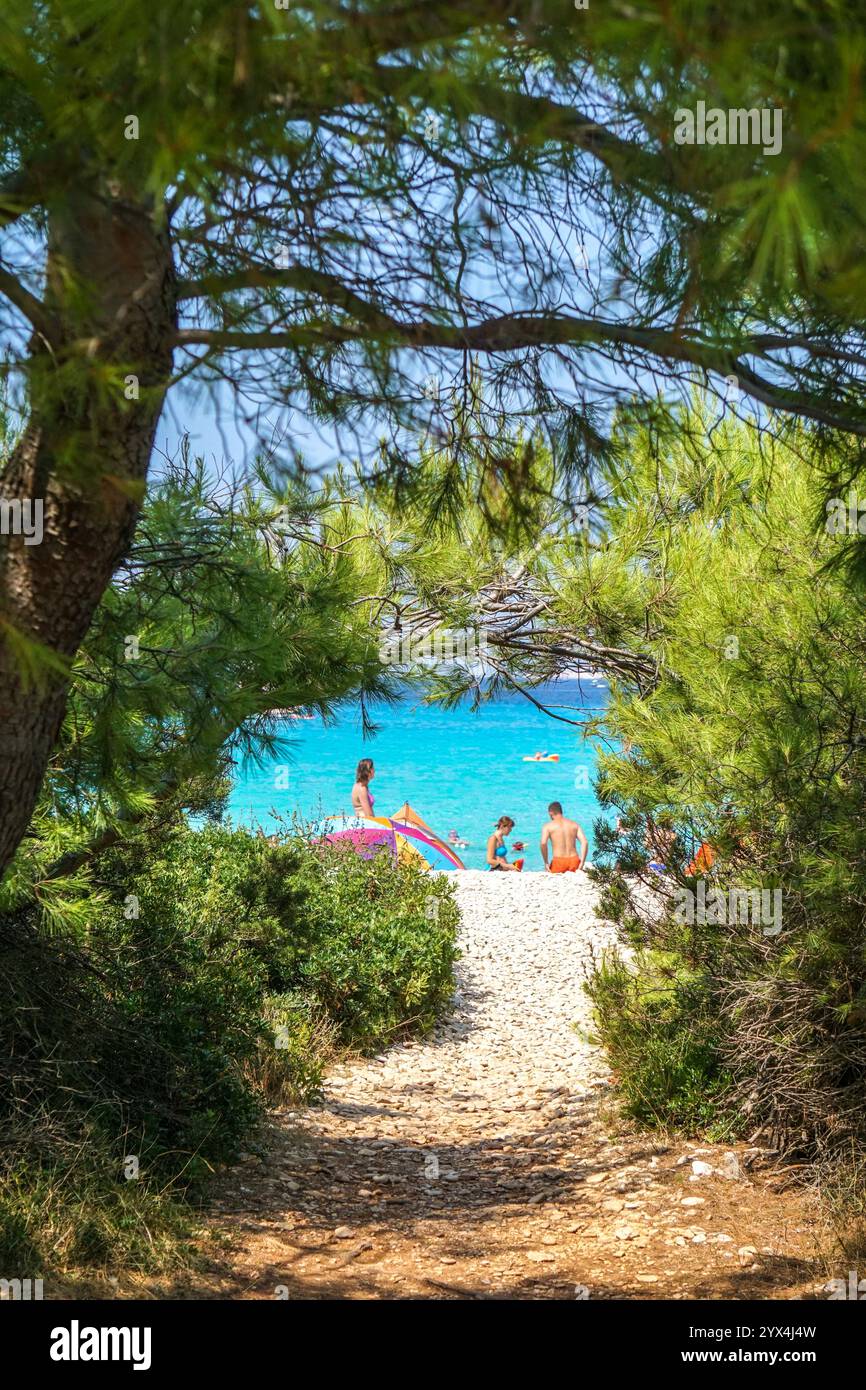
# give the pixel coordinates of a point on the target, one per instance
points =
(346, 210)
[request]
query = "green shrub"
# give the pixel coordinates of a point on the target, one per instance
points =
(228, 924)
(719, 568)
(299, 1041)
(220, 973)
(380, 954)
(659, 1032)
(79, 1215)
(71, 1067)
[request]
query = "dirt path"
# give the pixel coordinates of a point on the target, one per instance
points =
(481, 1163)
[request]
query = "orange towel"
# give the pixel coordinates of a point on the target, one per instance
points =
(703, 861)
(565, 865)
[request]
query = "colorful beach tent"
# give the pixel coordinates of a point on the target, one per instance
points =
(409, 824)
(405, 833)
(363, 833)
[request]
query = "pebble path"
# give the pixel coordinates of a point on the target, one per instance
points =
(480, 1162)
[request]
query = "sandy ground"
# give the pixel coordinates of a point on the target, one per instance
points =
(486, 1162)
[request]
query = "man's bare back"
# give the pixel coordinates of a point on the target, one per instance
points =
(561, 835)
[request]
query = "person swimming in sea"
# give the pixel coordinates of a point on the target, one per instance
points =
(362, 798)
(497, 849)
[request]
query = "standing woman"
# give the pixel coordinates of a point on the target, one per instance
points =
(362, 801)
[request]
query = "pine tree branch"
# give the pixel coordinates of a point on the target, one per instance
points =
(538, 120)
(30, 306)
(515, 332)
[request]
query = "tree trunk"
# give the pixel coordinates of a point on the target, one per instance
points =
(84, 455)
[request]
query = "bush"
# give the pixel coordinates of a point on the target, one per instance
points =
(380, 952)
(219, 973)
(749, 740)
(71, 1062)
(256, 958)
(662, 1041)
(78, 1215)
(299, 1041)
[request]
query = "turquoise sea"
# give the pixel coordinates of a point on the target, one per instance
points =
(457, 769)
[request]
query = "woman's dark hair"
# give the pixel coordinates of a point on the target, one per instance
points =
(364, 771)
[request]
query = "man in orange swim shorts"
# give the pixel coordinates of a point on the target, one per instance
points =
(561, 834)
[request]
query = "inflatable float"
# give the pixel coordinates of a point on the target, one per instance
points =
(542, 758)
